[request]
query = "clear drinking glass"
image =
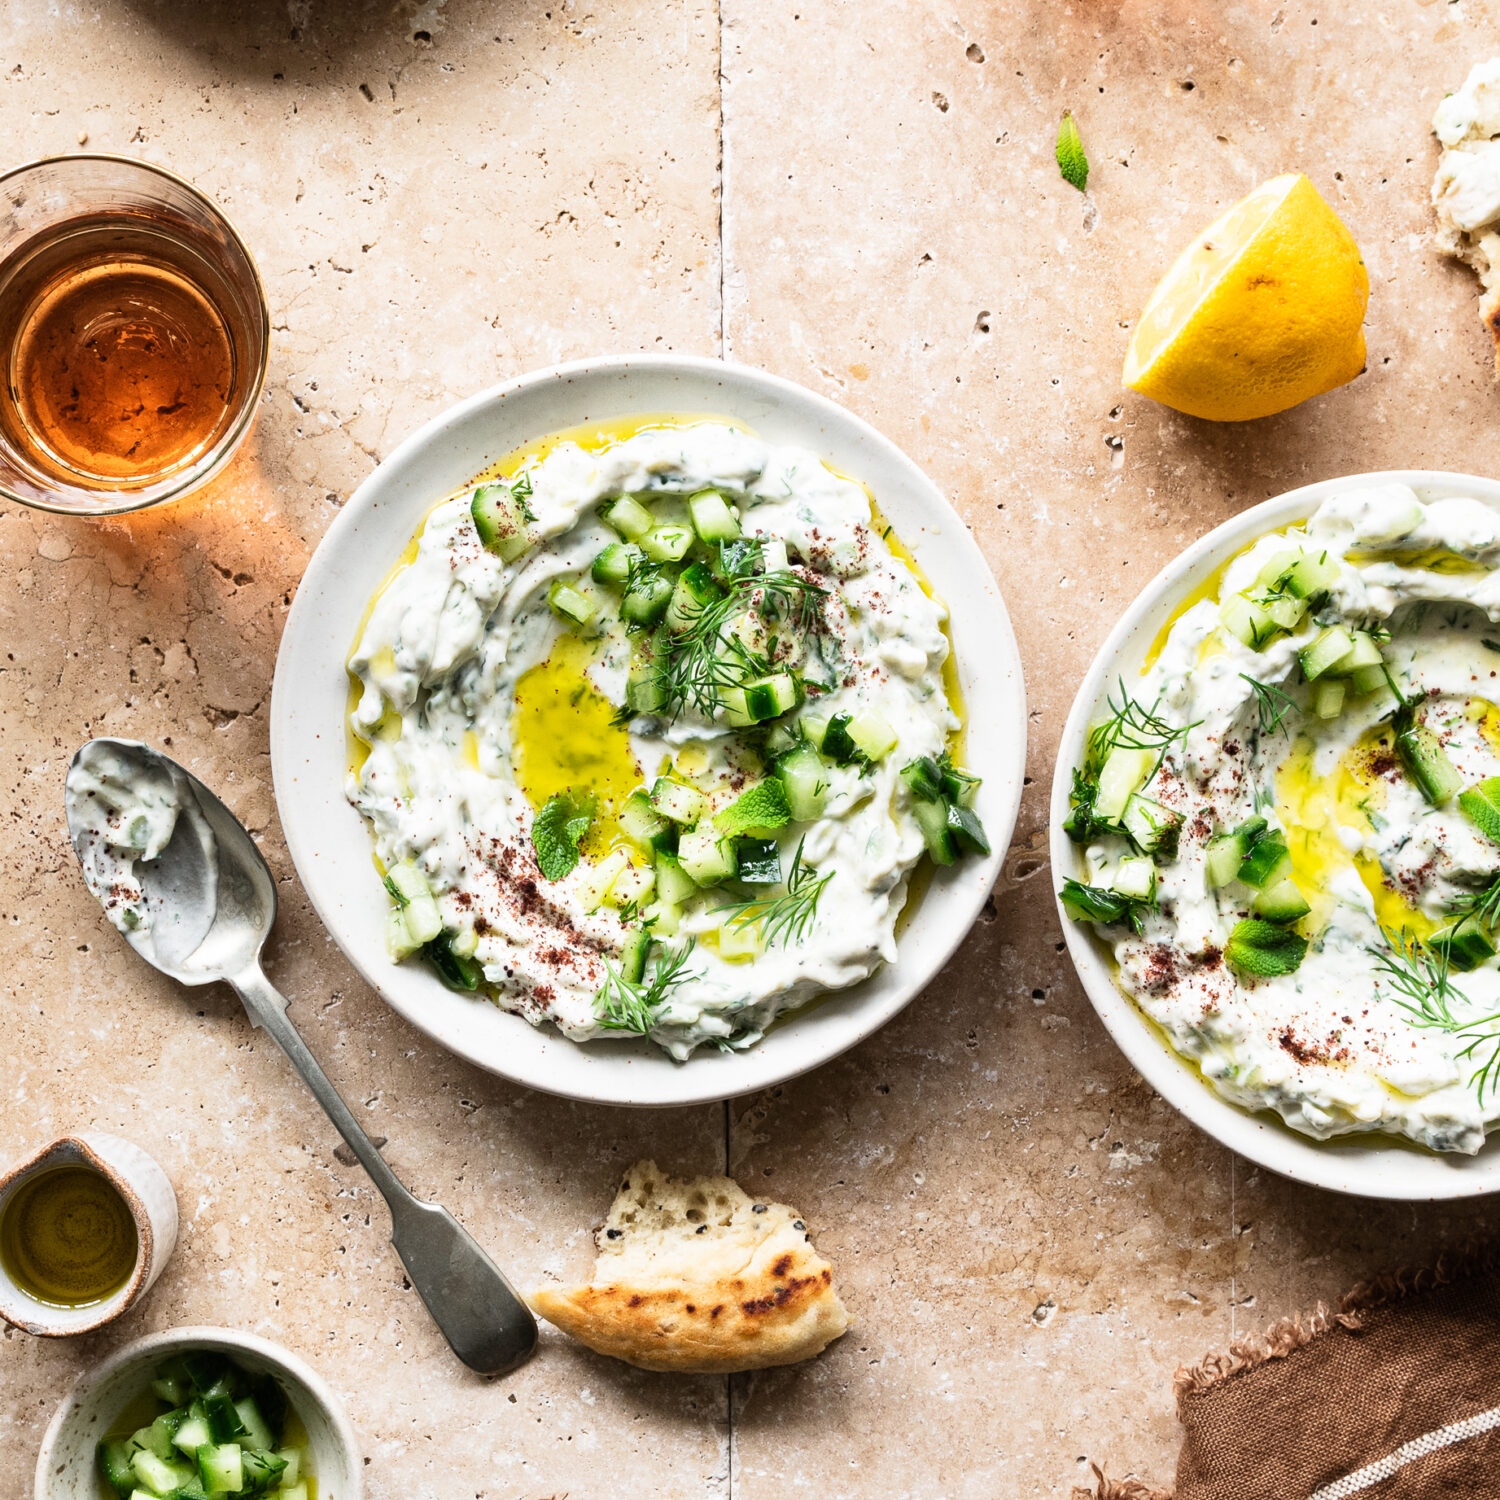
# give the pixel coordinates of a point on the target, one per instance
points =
(133, 332)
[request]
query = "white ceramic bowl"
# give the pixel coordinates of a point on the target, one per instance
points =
(65, 1468)
(145, 1190)
(330, 844)
(1362, 1165)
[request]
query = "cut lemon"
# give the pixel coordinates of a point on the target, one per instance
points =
(1263, 310)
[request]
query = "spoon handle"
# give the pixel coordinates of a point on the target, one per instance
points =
(488, 1326)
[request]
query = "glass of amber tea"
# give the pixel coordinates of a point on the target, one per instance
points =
(133, 331)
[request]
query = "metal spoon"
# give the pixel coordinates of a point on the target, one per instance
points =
(210, 902)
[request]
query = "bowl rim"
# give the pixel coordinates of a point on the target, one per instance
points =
(214, 461)
(1397, 1171)
(209, 1336)
(638, 1080)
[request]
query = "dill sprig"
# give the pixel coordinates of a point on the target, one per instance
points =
(1135, 727)
(1483, 906)
(785, 918)
(697, 663)
(1424, 989)
(623, 1004)
(1272, 704)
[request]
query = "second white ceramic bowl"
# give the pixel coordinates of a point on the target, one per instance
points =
(1362, 1165)
(330, 844)
(65, 1468)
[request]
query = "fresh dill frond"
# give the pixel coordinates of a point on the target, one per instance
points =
(1272, 704)
(1424, 989)
(788, 917)
(1134, 727)
(632, 1005)
(520, 492)
(1483, 906)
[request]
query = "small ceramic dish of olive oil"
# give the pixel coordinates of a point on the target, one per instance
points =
(86, 1225)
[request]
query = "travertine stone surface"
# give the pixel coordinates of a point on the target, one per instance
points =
(442, 194)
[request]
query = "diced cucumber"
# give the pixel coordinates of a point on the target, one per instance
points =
(1124, 771)
(1135, 878)
(223, 1420)
(1274, 574)
(571, 607)
(758, 811)
(804, 779)
(1281, 902)
(632, 884)
(758, 861)
(695, 588)
(1480, 804)
(646, 600)
(932, 819)
(872, 734)
(464, 942)
(958, 785)
(1285, 611)
(614, 563)
(644, 690)
(1298, 573)
(500, 521)
(153, 1440)
(739, 942)
(735, 709)
(773, 554)
(1153, 829)
(1364, 652)
(1328, 697)
(677, 801)
(770, 697)
(629, 517)
(1268, 863)
(711, 517)
(780, 738)
(1326, 651)
(966, 833)
(221, 1467)
(673, 884)
(924, 778)
(1222, 860)
(667, 542)
(156, 1474)
(837, 743)
(456, 971)
(1427, 763)
(1263, 950)
(263, 1471)
(633, 955)
(706, 858)
(641, 822)
(293, 1460)
(192, 1435)
(413, 896)
(595, 885)
(1368, 679)
(115, 1468)
(171, 1387)
(665, 919)
(1465, 944)
(1247, 621)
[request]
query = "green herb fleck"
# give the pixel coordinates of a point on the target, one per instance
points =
(556, 830)
(785, 918)
(1071, 161)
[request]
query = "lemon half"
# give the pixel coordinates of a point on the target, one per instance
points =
(1264, 309)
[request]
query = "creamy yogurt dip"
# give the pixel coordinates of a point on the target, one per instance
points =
(1466, 189)
(122, 808)
(557, 684)
(1337, 687)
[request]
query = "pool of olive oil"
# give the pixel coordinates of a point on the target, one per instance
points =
(67, 1237)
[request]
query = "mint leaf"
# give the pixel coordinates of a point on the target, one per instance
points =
(1071, 161)
(1263, 950)
(760, 807)
(555, 832)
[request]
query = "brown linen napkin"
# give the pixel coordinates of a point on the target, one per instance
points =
(1396, 1396)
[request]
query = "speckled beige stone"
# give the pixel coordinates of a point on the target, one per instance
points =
(444, 194)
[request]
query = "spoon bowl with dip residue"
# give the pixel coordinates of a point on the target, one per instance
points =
(181, 878)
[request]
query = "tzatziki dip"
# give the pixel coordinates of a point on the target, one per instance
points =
(652, 734)
(1288, 827)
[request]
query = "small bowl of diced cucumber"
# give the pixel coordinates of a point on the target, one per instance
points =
(200, 1414)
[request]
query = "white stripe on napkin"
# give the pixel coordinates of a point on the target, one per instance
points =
(1393, 1463)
